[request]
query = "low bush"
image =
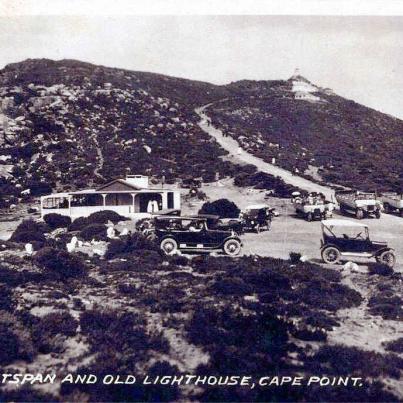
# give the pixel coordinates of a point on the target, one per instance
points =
(59, 264)
(380, 269)
(15, 278)
(129, 244)
(395, 345)
(295, 257)
(78, 224)
(102, 217)
(16, 340)
(340, 360)
(231, 286)
(221, 207)
(387, 306)
(54, 220)
(47, 330)
(29, 231)
(29, 236)
(94, 231)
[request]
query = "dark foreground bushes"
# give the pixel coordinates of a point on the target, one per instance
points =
(102, 217)
(395, 345)
(30, 231)
(130, 244)
(221, 207)
(59, 264)
(16, 342)
(54, 221)
(50, 331)
(123, 345)
(94, 231)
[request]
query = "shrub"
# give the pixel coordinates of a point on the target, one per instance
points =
(295, 257)
(387, 306)
(395, 345)
(94, 231)
(78, 224)
(380, 269)
(29, 231)
(59, 264)
(47, 329)
(28, 236)
(231, 286)
(222, 207)
(16, 341)
(102, 217)
(129, 244)
(57, 220)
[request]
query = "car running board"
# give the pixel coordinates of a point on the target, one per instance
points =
(357, 254)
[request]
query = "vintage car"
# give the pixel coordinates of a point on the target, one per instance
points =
(346, 239)
(192, 233)
(257, 217)
(392, 202)
(191, 183)
(361, 204)
(314, 206)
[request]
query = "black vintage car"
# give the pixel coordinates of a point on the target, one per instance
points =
(347, 239)
(192, 233)
(257, 217)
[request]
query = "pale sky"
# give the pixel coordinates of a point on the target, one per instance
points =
(358, 57)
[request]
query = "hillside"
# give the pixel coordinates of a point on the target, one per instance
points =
(66, 124)
(310, 130)
(70, 123)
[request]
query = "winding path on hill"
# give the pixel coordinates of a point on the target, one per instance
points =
(240, 155)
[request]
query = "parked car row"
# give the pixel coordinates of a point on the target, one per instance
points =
(340, 238)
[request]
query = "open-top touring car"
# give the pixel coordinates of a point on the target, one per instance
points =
(313, 206)
(392, 202)
(346, 239)
(192, 233)
(361, 204)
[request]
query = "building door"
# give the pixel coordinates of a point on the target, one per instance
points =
(170, 199)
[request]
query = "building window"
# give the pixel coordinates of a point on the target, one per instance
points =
(55, 203)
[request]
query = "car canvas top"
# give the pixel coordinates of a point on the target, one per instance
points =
(257, 206)
(342, 223)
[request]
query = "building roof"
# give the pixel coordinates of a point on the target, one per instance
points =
(122, 182)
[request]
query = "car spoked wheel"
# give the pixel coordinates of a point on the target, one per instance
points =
(331, 255)
(388, 258)
(232, 247)
(169, 246)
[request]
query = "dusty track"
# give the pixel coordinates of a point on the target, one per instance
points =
(232, 146)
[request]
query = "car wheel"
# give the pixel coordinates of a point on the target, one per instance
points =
(388, 258)
(331, 255)
(309, 217)
(386, 208)
(232, 247)
(169, 246)
(359, 214)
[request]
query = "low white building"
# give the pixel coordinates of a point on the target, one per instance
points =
(131, 197)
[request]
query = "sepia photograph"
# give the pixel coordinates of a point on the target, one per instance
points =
(200, 203)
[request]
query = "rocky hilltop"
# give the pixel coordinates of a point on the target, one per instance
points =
(66, 124)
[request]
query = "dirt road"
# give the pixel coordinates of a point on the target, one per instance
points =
(233, 147)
